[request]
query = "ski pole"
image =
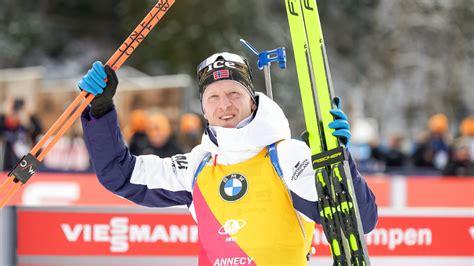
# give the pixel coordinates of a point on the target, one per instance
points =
(265, 59)
(28, 165)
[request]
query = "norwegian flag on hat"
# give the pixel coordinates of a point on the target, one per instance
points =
(221, 74)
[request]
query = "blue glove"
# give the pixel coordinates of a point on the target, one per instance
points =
(340, 123)
(94, 82)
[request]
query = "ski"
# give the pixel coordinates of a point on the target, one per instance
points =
(338, 208)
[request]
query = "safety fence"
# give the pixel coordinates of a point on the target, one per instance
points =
(432, 224)
(59, 189)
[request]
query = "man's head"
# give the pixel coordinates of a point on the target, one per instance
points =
(226, 103)
(226, 89)
(438, 124)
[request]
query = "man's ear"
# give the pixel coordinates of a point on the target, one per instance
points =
(204, 112)
(254, 107)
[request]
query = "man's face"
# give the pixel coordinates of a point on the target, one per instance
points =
(226, 103)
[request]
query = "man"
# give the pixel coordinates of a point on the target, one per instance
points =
(248, 185)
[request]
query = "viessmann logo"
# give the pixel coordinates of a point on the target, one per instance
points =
(119, 233)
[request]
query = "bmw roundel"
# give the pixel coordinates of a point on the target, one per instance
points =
(233, 187)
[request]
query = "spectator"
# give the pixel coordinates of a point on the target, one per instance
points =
(19, 129)
(462, 157)
(190, 131)
(135, 132)
(161, 141)
(432, 149)
(376, 160)
(394, 156)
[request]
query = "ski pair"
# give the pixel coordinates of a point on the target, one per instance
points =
(336, 198)
(28, 165)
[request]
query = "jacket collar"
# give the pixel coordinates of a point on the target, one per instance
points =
(268, 126)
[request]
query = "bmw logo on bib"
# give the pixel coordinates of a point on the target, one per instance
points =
(233, 187)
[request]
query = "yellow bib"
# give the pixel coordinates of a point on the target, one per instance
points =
(252, 205)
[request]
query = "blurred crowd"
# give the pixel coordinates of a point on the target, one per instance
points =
(433, 152)
(153, 133)
(19, 129)
(146, 132)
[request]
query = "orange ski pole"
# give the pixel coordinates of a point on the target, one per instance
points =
(27, 165)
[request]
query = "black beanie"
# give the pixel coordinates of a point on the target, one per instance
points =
(225, 66)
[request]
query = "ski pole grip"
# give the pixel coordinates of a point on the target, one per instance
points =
(265, 58)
